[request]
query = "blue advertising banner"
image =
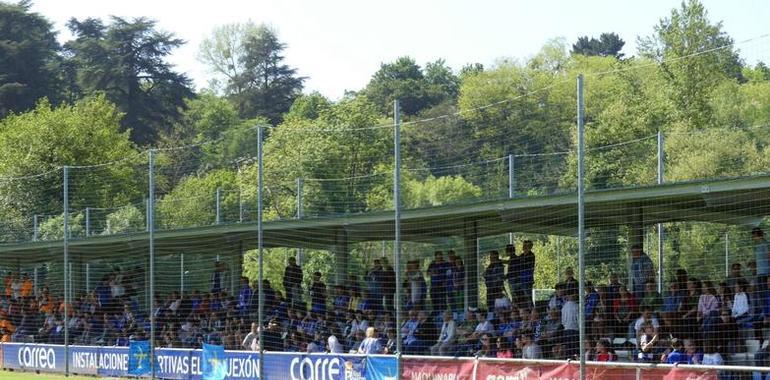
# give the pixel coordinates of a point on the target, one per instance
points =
(33, 357)
(139, 357)
(381, 368)
(187, 364)
(297, 366)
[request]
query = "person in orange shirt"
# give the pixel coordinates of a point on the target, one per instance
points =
(26, 287)
(8, 282)
(6, 329)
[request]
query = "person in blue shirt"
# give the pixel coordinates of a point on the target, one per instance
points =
(438, 270)
(677, 354)
(762, 256)
(526, 270)
(641, 270)
(494, 276)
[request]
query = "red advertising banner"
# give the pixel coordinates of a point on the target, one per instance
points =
(488, 370)
(427, 369)
(689, 374)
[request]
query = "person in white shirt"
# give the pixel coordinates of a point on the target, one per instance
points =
(711, 355)
(251, 341)
(640, 322)
(569, 320)
(530, 349)
(446, 338)
(484, 325)
(370, 345)
(740, 310)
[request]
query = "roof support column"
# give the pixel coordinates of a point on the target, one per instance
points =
(341, 253)
(471, 243)
(635, 237)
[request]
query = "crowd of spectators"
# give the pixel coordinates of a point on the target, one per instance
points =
(694, 321)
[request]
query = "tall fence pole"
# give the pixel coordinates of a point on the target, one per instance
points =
(581, 227)
(219, 205)
(35, 228)
(66, 270)
(660, 225)
(181, 273)
(260, 290)
(727, 254)
(397, 220)
(511, 187)
(300, 215)
(151, 230)
(88, 221)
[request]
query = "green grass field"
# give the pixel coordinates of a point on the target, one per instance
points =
(8, 375)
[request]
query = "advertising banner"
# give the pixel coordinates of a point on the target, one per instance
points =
(33, 357)
(431, 369)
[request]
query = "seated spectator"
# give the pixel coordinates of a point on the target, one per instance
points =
(486, 350)
(708, 307)
(604, 351)
(647, 343)
(677, 355)
(445, 344)
(390, 343)
(370, 345)
(651, 297)
(504, 350)
(645, 318)
(334, 346)
(529, 347)
(711, 355)
(692, 351)
(623, 309)
(741, 311)
(670, 309)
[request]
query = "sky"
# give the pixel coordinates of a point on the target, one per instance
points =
(339, 44)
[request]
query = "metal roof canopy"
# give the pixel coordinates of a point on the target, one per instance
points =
(741, 201)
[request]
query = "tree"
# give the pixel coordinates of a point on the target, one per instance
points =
(695, 55)
(248, 59)
(29, 63)
(46, 138)
(127, 61)
(416, 90)
(608, 45)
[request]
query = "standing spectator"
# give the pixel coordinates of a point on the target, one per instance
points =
(292, 282)
(374, 286)
(641, 270)
(527, 270)
(318, 294)
(458, 281)
(513, 269)
(444, 345)
(388, 284)
(569, 320)
(735, 275)
(761, 253)
(438, 270)
(217, 277)
(416, 285)
(493, 278)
